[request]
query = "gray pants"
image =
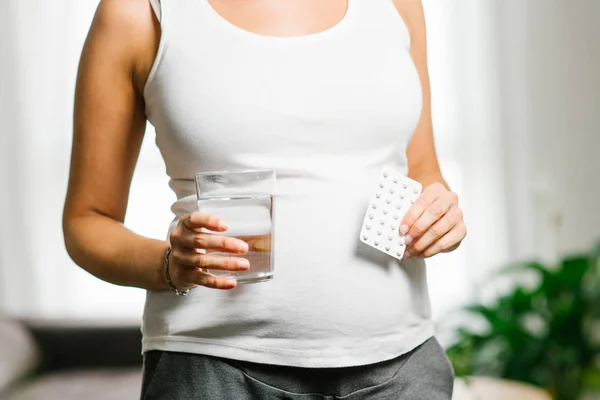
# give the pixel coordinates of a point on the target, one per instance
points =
(423, 374)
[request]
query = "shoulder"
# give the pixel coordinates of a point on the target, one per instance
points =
(125, 16)
(131, 13)
(414, 16)
(126, 30)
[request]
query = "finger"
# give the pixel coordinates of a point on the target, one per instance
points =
(430, 215)
(429, 195)
(437, 230)
(208, 261)
(212, 243)
(446, 242)
(196, 221)
(197, 277)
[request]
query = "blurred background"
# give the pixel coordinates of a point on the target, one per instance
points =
(516, 109)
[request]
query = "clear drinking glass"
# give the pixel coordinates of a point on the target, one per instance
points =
(244, 200)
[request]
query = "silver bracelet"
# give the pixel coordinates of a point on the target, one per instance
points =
(168, 276)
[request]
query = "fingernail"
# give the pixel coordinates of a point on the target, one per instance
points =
(403, 229)
(408, 239)
(231, 282)
(242, 246)
(223, 225)
(243, 263)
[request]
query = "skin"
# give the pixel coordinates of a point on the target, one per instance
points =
(434, 224)
(109, 125)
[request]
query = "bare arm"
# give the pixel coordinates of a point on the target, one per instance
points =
(434, 223)
(109, 125)
(422, 159)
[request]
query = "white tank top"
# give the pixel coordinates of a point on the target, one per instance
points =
(326, 111)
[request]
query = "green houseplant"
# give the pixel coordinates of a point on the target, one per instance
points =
(546, 334)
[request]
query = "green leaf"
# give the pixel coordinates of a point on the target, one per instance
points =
(572, 271)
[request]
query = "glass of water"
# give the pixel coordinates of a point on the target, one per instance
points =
(244, 200)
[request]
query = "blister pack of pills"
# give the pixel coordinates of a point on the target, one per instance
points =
(393, 196)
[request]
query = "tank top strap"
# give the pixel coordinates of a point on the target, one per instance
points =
(156, 6)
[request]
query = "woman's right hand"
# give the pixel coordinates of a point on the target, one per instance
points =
(190, 253)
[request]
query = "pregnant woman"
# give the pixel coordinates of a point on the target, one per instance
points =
(325, 93)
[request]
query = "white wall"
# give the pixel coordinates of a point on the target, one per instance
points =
(9, 184)
(465, 113)
(550, 74)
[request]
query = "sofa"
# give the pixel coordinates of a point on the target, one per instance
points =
(63, 360)
(68, 360)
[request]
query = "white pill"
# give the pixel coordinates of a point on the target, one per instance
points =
(368, 226)
(385, 174)
(376, 242)
(381, 222)
(374, 205)
(391, 190)
(379, 231)
(371, 216)
(381, 184)
(385, 211)
(378, 195)
(396, 216)
(387, 248)
(388, 201)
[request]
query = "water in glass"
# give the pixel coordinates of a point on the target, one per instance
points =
(250, 218)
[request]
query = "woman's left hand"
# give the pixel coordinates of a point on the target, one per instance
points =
(434, 224)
